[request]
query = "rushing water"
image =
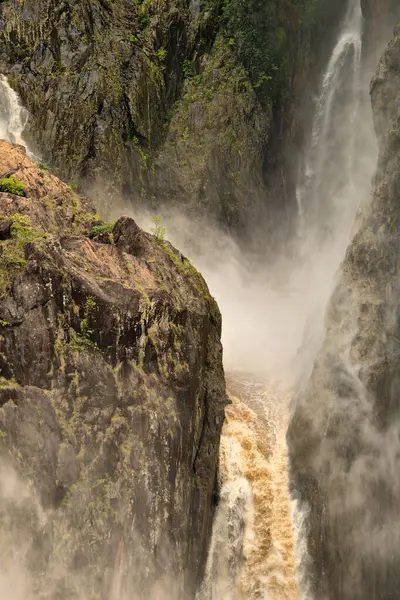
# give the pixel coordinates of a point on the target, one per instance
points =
(13, 116)
(257, 549)
(331, 165)
(337, 171)
(251, 552)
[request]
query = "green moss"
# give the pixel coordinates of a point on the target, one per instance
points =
(144, 156)
(12, 251)
(78, 342)
(98, 230)
(189, 271)
(161, 55)
(144, 20)
(13, 186)
(187, 68)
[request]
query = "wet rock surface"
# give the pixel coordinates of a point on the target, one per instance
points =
(112, 395)
(345, 430)
(177, 103)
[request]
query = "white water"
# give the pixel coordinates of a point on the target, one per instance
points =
(331, 169)
(13, 116)
(264, 326)
(336, 182)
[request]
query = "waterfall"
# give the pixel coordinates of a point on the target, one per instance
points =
(13, 116)
(271, 561)
(251, 555)
(336, 180)
(333, 192)
(329, 193)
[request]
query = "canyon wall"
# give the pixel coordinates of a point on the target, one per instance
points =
(345, 430)
(200, 105)
(112, 397)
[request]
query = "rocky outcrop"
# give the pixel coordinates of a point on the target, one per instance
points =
(177, 102)
(345, 431)
(112, 396)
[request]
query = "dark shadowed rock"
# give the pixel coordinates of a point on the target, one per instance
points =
(5, 229)
(129, 237)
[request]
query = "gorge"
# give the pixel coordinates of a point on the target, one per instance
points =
(249, 128)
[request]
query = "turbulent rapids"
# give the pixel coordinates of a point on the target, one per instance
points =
(258, 548)
(252, 552)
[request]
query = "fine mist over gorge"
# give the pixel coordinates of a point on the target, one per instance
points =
(198, 329)
(345, 468)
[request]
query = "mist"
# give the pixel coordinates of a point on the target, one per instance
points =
(273, 303)
(274, 313)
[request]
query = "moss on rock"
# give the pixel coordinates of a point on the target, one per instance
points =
(113, 396)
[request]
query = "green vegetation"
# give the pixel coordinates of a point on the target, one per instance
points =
(12, 186)
(144, 20)
(161, 54)
(253, 31)
(79, 341)
(261, 34)
(144, 156)
(98, 230)
(187, 68)
(43, 166)
(12, 255)
(158, 230)
(86, 332)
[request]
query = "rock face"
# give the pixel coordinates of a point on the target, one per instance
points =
(380, 18)
(193, 104)
(112, 396)
(344, 437)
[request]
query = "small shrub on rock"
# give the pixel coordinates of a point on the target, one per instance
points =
(12, 186)
(100, 229)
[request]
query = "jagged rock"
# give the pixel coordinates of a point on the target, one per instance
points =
(199, 107)
(344, 437)
(112, 395)
(384, 84)
(129, 237)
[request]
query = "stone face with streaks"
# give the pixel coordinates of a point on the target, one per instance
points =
(112, 394)
(172, 102)
(344, 437)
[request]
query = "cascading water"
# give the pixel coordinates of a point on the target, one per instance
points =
(336, 181)
(13, 116)
(331, 163)
(252, 552)
(338, 167)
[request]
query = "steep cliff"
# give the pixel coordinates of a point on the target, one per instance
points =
(344, 436)
(196, 104)
(380, 18)
(112, 395)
